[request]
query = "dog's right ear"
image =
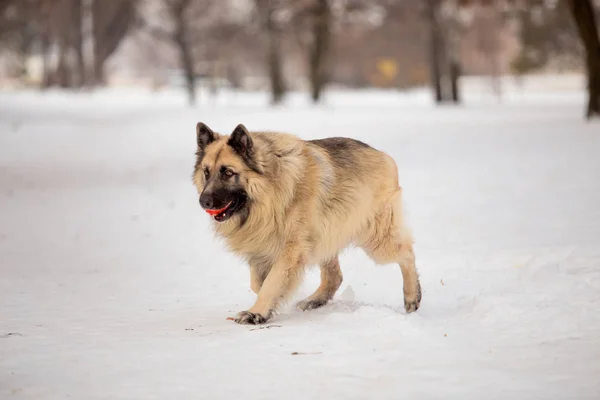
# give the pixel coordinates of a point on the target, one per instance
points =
(204, 135)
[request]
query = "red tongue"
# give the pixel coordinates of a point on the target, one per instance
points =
(215, 212)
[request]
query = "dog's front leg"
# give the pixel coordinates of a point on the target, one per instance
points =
(258, 273)
(281, 281)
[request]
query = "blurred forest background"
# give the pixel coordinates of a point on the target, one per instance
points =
(302, 45)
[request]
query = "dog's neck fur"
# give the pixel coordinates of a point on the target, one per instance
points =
(268, 199)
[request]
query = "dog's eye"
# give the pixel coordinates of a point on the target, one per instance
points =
(206, 173)
(228, 173)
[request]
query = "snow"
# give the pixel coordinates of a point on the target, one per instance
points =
(113, 286)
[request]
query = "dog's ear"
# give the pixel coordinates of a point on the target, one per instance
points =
(204, 135)
(241, 141)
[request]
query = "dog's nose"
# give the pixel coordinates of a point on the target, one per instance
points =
(206, 201)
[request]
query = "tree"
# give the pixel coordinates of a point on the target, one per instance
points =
(435, 49)
(314, 22)
(487, 25)
(453, 29)
(53, 29)
(583, 14)
(177, 10)
(272, 34)
(66, 31)
(77, 15)
(444, 35)
(199, 30)
(112, 21)
(547, 35)
(319, 48)
(19, 31)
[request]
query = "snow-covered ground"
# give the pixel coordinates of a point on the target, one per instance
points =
(112, 286)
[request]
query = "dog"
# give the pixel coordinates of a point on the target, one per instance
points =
(283, 204)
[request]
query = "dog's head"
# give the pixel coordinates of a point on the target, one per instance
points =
(224, 164)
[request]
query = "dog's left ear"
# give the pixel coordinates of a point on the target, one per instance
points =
(241, 141)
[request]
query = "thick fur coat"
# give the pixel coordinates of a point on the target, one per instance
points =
(291, 203)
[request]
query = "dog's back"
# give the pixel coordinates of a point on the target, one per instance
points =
(355, 183)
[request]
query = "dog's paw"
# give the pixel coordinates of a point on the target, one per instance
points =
(307, 304)
(250, 318)
(412, 305)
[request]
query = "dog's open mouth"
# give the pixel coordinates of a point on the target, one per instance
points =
(222, 213)
(226, 212)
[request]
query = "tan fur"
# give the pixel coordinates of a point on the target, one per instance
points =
(304, 209)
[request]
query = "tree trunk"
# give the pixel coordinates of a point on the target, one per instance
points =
(111, 21)
(45, 45)
(188, 68)
(452, 43)
(274, 54)
(44, 24)
(320, 47)
(98, 42)
(185, 55)
(435, 48)
(454, 75)
(78, 16)
(583, 14)
(99, 77)
(63, 72)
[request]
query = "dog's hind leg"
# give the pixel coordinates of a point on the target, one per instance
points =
(389, 251)
(387, 241)
(331, 279)
(412, 286)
